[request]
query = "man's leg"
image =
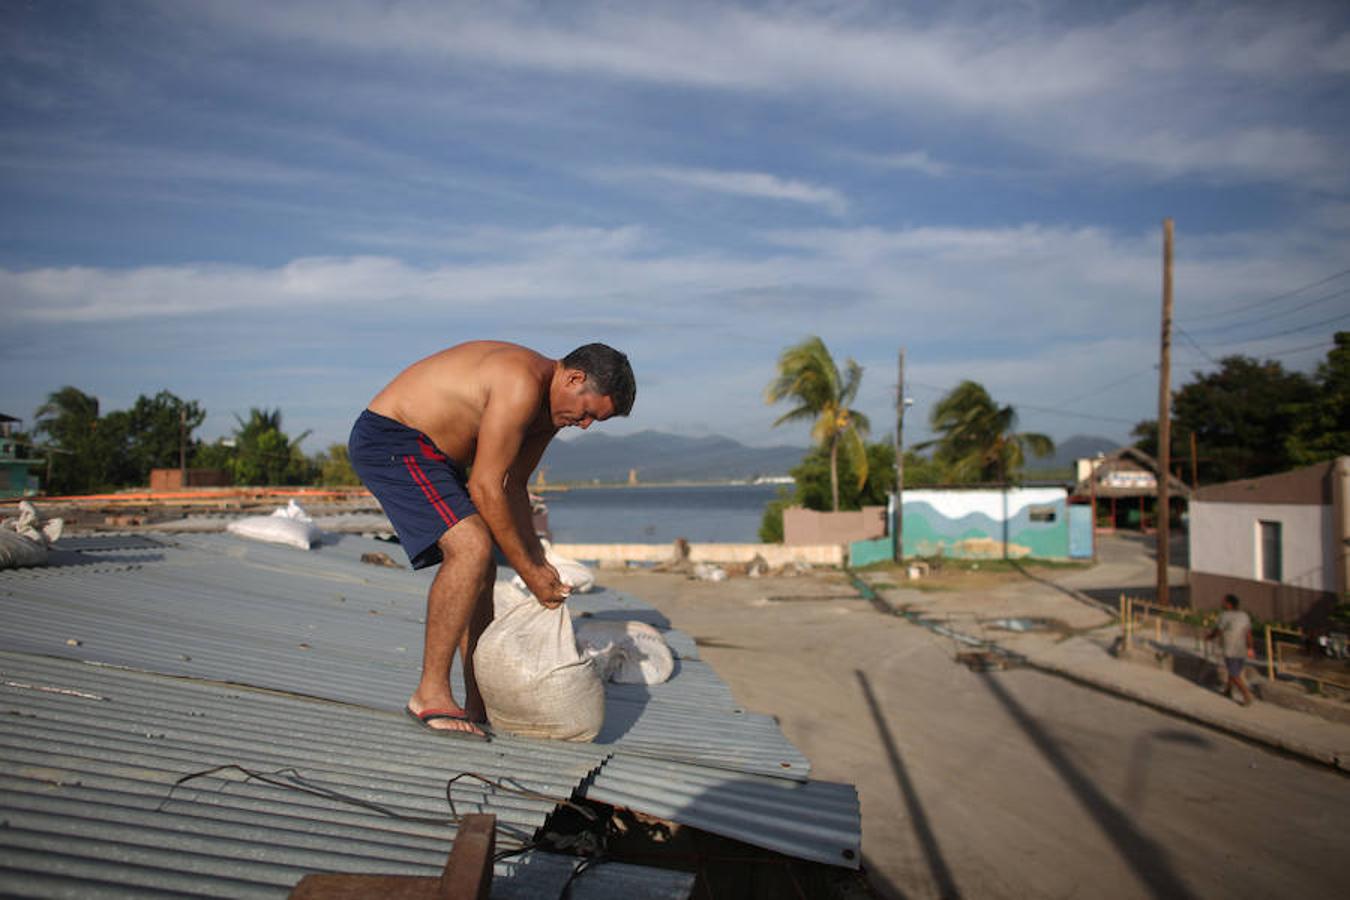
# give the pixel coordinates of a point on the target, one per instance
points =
(459, 607)
(1241, 683)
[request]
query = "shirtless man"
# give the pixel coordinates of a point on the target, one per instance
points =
(495, 406)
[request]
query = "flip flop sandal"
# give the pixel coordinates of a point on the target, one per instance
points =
(427, 716)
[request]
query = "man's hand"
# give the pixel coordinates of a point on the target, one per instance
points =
(547, 586)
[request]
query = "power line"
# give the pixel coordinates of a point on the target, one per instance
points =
(1107, 386)
(1284, 312)
(1201, 350)
(1321, 345)
(1298, 290)
(1265, 337)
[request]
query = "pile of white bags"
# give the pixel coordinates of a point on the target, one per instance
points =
(626, 652)
(534, 681)
(24, 538)
(289, 525)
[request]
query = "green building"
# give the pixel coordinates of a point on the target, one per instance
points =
(18, 465)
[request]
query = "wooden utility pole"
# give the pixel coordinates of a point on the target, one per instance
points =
(898, 548)
(182, 447)
(1195, 464)
(1165, 417)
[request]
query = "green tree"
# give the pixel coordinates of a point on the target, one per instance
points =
(264, 454)
(1242, 416)
(812, 485)
(977, 437)
(921, 471)
(69, 423)
(808, 376)
(335, 469)
(1322, 424)
(157, 427)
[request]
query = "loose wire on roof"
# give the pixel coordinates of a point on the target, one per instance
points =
(294, 781)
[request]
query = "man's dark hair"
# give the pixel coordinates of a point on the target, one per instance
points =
(1231, 600)
(607, 373)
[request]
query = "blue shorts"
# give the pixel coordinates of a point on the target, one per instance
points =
(1234, 664)
(422, 491)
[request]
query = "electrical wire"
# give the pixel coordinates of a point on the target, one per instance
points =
(1288, 331)
(1110, 384)
(1284, 312)
(1201, 350)
(1286, 294)
(294, 781)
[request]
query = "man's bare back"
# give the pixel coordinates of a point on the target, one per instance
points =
(444, 395)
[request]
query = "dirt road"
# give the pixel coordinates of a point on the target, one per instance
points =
(1007, 784)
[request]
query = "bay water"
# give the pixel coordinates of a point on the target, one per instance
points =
(728, 513)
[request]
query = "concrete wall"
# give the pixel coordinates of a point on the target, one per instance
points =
(1311, 506)
(774, 554)
(1225, 540)
(866, 553)
(806, 527)
(1266, 600)
(172, 479)
(976, 523)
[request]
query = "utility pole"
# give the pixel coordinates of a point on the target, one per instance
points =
(1164, 417)
(182, 447)
(899, 512)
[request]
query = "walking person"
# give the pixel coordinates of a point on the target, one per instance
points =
(1235, 629)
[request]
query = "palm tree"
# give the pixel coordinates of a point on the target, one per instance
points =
(978, 441)
(69, 416)
(69, 421)
(808, 375)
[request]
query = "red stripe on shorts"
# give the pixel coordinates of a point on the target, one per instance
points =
(433, 497)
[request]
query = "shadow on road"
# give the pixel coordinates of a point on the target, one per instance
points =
(937, 865)
(1141, 761)
(1148, 860)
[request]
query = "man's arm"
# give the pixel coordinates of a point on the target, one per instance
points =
(502, 448)
(518, 490)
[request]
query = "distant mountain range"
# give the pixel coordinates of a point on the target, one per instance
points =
(658, 456)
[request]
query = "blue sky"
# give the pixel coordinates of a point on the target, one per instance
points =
(283, 204)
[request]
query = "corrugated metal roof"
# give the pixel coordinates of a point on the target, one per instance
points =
(813, 820)
(89, 756)
(322, 624)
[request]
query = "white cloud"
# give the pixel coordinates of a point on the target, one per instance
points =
(1197, 89)
(759, 185)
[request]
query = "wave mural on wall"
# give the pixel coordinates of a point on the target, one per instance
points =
(970, 524)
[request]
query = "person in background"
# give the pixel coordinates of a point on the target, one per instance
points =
(1235, 629)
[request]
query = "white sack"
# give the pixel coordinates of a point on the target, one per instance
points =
(25, 538)
(534, 681)
(626, 652)
(570, 572)
(17, 551)
(289, 525)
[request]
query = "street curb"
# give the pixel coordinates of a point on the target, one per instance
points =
(1264, 738)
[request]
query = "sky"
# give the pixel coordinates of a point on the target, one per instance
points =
(281, 205)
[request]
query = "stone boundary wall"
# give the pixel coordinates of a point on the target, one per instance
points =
(773, 554)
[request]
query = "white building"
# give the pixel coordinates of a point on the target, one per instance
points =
(1280, 543)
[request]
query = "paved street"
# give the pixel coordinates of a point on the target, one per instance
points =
(1008, 784)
